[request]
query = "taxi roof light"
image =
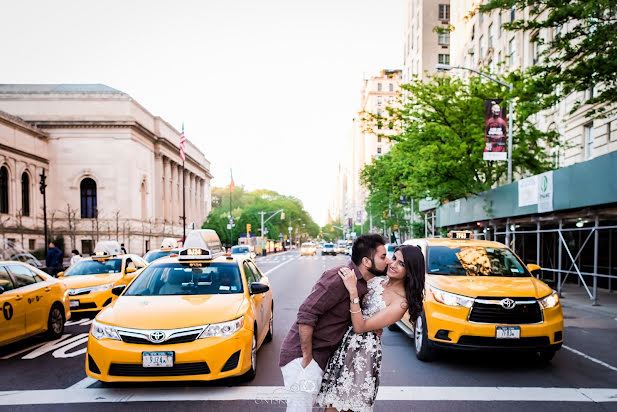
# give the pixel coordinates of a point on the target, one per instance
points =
(203, 244)
(460, 234)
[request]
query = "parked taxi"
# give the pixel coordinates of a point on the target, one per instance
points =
(32, 302)
(91, 280)
(480, 295)
(198, 316)
(169, 246)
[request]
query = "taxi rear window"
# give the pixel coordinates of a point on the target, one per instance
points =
(155, 254)
(94, 267)
(167, 279)
(240, 249)
(473, 261)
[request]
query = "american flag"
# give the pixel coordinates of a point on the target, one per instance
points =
(182, 141)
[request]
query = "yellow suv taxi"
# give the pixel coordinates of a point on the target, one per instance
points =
(32, 302)
(480, 295)
(91, 280)
(198, 316)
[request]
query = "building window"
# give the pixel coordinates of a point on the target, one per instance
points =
(499, 25)
(4, 190)
(379, 150)
(378, 139)
(87, 247)
(379, 112)
(378, 87)
(443, 58)
(88, 198)
(390, 100)
(379, 100)
(491, 34)
(588, 136)
(481, 47)
(25, 194)
(473, 32)
(512, 14)
(444, 12)
(444, 38)
(144, 209)
(512, 52)
(31, 244)
(391, 87)
(535, 50)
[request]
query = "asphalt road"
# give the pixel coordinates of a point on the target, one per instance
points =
(49, 376)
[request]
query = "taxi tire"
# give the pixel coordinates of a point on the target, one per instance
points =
(56, 315)
(270, 333)
(425, 352)
(250, 374)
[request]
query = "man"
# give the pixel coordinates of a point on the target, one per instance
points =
(53, 260)
(122, 248)
(323, 319)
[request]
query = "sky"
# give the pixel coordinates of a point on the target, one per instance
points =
(266, 88)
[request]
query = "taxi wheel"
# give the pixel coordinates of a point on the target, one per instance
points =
(424, 349)
(270, 334)
(250, 375)
(55, 322)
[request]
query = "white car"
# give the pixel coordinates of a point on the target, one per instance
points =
(243, 251)
(390, 250)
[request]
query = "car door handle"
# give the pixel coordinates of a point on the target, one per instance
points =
(18, 297)
(47, 289)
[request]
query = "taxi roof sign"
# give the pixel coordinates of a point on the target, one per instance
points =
(169, 243)
(460, 234)
(202, 244)
(107, 248)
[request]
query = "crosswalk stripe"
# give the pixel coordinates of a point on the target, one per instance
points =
(275, 394)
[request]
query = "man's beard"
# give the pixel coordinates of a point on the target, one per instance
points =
(376, 272)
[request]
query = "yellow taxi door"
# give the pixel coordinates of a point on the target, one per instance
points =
(13, 316)
(36, 296)
(258, 299)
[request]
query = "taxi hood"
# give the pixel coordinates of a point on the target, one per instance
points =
(475, 286)
(84, 281)
(170, 312)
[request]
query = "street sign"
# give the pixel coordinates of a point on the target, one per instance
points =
(231, 220)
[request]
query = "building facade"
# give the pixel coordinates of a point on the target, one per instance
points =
(114, 170)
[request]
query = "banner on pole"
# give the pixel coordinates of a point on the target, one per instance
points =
(495, 131)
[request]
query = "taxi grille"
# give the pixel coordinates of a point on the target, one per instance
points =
(89, 305)
(484, 341)
(179, 369)
(145, 341)
(523, 313)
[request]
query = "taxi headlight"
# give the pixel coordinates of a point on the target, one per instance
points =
(550, 301)
(102, 288)
(451, 299)
(101, 331)
(222, 329)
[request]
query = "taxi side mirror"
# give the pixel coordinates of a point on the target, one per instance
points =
(117, 290)
(130, 270)
(257, 288)
(534, 269)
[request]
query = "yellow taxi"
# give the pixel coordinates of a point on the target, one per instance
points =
(198, 316)
(308, 249)
(480, 295)
(169, 246)
(91, 280)
(32, 302)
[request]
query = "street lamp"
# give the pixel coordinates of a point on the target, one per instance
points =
(447, 67)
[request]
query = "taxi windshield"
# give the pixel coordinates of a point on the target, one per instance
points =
(240, 249)
(166, 279)
(155, 254)
(94, 267)
(473, 261)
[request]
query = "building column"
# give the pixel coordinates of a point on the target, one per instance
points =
(158, 188)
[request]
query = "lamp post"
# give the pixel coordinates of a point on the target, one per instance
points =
(447, 67)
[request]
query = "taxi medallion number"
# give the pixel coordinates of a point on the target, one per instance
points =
(74, 303)
(157, 359)
(508, 332)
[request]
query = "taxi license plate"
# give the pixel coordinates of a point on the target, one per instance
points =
(74, 303)
(157, 359)
(508, 332)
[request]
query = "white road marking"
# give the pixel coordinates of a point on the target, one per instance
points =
(83, 384)
(598, 361)
(278, 266)
(276, 394)
(23, 350)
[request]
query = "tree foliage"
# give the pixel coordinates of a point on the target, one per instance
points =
(439, 151)
(578, 40)
(246, 207)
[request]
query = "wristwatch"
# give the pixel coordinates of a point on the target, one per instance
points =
(355, 300)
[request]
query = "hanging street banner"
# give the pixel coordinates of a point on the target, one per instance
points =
(495, 131)
(545, 192)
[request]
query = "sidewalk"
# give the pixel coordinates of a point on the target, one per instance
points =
(577, 297)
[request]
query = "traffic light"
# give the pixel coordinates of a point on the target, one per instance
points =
(43, 185)
(282, 215)
(384, 214)
(248, 227)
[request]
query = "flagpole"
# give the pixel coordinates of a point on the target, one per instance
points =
(183, 207)
(231, 225)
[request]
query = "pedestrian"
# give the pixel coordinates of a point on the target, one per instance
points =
(53, 260)
(122, 248)
(351, 379)
(76, 257)
(323, 320)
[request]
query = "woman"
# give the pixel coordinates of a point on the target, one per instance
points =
(351, 379)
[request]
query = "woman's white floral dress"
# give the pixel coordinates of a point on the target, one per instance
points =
(351, 379)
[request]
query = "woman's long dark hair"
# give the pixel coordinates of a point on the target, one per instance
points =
(414, 279)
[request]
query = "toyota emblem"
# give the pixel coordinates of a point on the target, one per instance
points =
(508, 303)
(157, 336)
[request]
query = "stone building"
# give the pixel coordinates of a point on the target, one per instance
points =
(114, 170)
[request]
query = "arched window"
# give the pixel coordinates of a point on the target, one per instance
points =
(4, 190)
(87, 189)
(25, 194)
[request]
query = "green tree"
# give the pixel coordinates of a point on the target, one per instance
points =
(439, 151)
(580, 52)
